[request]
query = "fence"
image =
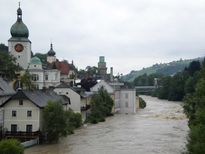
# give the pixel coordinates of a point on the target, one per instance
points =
(30, 143)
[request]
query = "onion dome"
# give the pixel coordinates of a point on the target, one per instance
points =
(19, 29)
(51, 52)
(35, 61)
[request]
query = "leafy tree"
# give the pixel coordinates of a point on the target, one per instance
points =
(11, 146)
(163, 90)
(87, 83)
(193, 67)
(176, 88)
(101, 106)
(58, 123)
(194, 107)
(73, 120)
(55, 124)
(7, 63)
(26, 81)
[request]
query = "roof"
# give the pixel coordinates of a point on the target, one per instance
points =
(38, 98)
(35, 61)
(51, 52)
(19, 29)
(63, 85)
(5, 88)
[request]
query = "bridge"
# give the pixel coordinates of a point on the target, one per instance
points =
(145, 89)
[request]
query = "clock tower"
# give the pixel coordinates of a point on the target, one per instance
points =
(19, 44)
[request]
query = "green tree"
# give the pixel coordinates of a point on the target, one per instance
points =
(7, 64)
(163, 90)
(101, 106)
(26, 81)
(11, 146)
(194, 107)
(55, 123)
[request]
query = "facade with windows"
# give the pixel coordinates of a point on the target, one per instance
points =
(128, 101)
(125, 100)
(43, 77)
(23, 111)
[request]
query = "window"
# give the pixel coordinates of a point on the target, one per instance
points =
(46, 77)
(35, 77)
(13, 128)
(28, 128)
(21, 102)
(13, 113)
(29, 113)
(34, 65)
(126, 104)
(126, 95)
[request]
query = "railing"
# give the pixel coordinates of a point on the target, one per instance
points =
(23, 136)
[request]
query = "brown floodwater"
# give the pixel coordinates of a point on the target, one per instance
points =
(160, 128)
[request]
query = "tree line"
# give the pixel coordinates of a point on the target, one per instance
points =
(187, 86)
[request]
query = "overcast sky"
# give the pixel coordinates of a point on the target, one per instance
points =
(131, 34)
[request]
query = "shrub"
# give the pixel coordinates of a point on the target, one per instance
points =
(11, 146)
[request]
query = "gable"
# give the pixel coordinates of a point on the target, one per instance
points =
(103, 84)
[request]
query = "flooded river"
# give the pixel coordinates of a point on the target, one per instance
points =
(160, 128)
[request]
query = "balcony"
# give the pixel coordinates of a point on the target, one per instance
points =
(22, 136)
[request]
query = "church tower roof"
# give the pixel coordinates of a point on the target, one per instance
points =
(51, 52)
(19, 29)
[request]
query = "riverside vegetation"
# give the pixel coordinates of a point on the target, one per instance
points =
(187, 86)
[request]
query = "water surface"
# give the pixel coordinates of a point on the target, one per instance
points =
(160, 128)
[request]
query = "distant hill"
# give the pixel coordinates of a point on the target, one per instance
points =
(165, 69)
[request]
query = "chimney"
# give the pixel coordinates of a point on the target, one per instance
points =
(111, 74)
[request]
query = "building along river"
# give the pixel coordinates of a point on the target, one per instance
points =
(160, 128)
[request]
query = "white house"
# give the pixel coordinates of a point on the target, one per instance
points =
(127, 101)
(103, 84)
(43, 77)
(124, 99)
(75, 101)
(23, 113)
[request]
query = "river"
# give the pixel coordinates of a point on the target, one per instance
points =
(160, 128)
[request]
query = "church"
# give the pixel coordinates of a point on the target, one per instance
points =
(42, 75)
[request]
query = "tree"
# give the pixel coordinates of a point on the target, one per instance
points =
(7, 64)
(194, 107)
(55, 124)
(26, 81)
(87, 83)
(11, 146)
(101, 106)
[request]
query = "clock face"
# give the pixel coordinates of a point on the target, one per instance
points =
(19, 47)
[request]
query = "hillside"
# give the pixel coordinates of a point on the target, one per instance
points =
(165, 69)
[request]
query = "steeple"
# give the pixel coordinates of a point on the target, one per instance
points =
(19, 13)
(19, 29)
(51, 52)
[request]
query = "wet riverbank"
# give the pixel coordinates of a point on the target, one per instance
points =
(160, 128)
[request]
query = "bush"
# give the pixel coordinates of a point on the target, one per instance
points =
(142, 103)
(11, 146)
(101, 106)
